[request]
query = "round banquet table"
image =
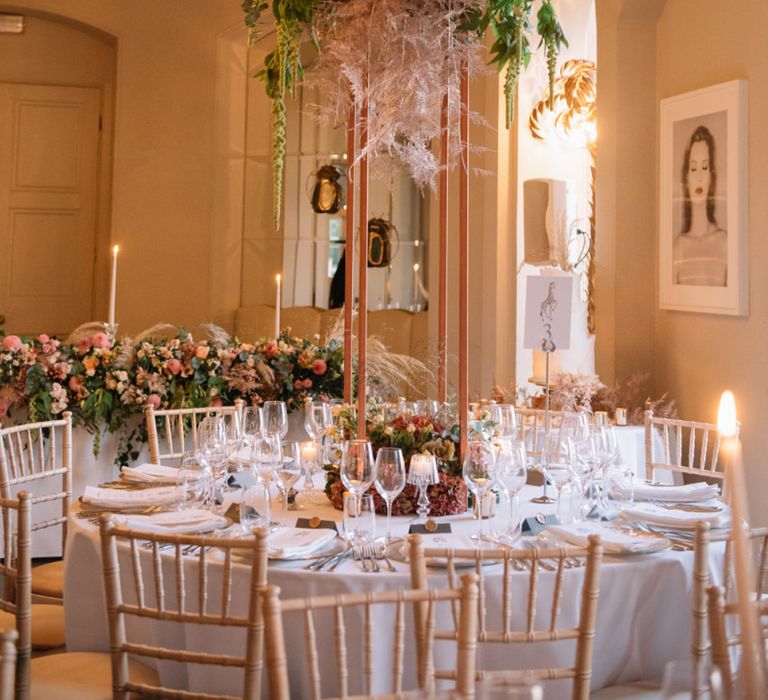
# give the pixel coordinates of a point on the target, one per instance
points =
(643, 618)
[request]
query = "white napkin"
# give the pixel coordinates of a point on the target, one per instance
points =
(688, 493)
(678, 519)
(614, 541)
(448, 540)
(120, 498)
(288, 542)
(177, 521)
(150, 473)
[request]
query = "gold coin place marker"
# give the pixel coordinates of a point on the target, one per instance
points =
(430, 525)
(314, 521)
(541, 518)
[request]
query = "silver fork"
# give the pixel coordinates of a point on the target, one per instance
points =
(359, 556)
(370, 553)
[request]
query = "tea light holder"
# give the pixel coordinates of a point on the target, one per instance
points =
(423, 473)
(620, 416)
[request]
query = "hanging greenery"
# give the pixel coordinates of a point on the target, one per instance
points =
(399, 57)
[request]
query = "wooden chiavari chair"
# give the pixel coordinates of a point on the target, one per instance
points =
(518, 564)
(8, 639)
(689, 447)
(41, 453)
(179, 428)
(723, 643)
(700, 644)
(169, 603)
(275, 612)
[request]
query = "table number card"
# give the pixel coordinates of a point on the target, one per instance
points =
(548, 312)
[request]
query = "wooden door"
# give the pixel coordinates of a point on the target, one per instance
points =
(49, 147)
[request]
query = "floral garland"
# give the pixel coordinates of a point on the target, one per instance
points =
(104, 385)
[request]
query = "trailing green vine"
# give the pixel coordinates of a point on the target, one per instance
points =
(552, 37)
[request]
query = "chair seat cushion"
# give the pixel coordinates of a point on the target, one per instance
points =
(638, 690)
(48, 579)
(47, 625)
(80, 676)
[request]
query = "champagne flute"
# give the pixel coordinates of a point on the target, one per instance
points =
(390, 480)
(275, 419)
(479, 471)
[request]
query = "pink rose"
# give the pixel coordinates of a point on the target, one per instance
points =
(271, 349)
(201, 352)
(216, 402)
(319, 367)
(307, 383)
(154, 401)
(298, 384)
(12, 343)
(174, 366)
(84, 346)
(101, 340)
(43, 338)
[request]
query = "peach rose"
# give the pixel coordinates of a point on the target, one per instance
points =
(201, 352)
(271, 349)
(319, 367)
(154, 401)
(307, 383)
(75, 383)
(298, 384)
(12, 343)
(174, 366)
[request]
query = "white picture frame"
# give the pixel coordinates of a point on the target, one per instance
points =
(703, 254)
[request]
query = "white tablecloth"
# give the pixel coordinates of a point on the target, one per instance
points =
(643, 620)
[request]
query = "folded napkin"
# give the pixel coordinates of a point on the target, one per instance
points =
(123, 498)
(688, 493)
(448, 540)
(614, 541)
(150, 473)
(678, 519)
(178, 521)
(292, 542)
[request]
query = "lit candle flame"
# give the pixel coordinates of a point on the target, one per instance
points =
(726, 415)
(115, 249)
(416, 267)
(278, 277)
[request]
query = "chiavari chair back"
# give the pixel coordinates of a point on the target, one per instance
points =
(700, 643)
(178, 428)
(723, 643)
(8, 663)
(688, 447)
(516, 564)
(164, 598)
(34, 452)
(277, 612)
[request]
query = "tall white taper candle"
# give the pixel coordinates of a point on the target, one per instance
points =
(278, 282)
(113, 287)
(753, 658)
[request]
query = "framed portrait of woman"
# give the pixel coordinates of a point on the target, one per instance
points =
(703, 201)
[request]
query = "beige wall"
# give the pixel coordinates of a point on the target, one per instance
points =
(647, 52)
(164, 149)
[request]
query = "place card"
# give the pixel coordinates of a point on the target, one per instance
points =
(242, 480)
(538, 523)
(316, 524)
(429, 528)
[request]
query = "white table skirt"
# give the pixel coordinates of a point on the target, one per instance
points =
(643, 619)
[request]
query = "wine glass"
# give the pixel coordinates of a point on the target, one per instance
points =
(511, 476)
(275, 419)
(503, 415)
(287, 473)
(358, 469)
(316, 419)
(479, 471)
(251, 426)
(255, 509)
(557, 469)
(390, 480)
(193, 482)
(266, 457)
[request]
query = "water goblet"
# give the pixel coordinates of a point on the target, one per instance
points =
(358, 470)
(317, 419)
(359, 519)
(287, 473)
(193, 483)
(390, 480)
(505, 418)
(511, 476)
(274, 419)
(479, 471)
(255, 508)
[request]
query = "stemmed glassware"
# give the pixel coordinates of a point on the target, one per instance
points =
(274, 419)
(505, 418)
(557, 468)
(287, 472)
(479, 471)
(390, 480)
(511, 476)
(317, 419)
(212, 453)
(358, 469)
(423, 472)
